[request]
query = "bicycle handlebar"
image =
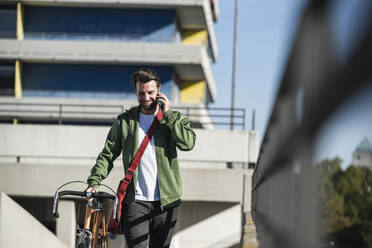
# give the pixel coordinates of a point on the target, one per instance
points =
(100, 196)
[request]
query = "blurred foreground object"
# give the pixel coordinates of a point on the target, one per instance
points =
(329, 64)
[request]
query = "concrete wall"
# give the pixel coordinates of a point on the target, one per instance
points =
(19, 229)
(202, 224)
(198, 184)
(64, 144)
(210, 213)
(199, 221)
(213, 196)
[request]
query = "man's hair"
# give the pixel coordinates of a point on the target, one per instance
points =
(145, 75)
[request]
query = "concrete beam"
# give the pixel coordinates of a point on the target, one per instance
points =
(18, 228)
(224, 185)
(42, 180)
(184, 57)
(98, 51)
(81, 145)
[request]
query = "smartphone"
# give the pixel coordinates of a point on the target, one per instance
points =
(161, 105)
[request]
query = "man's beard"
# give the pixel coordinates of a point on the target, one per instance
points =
(148, 107)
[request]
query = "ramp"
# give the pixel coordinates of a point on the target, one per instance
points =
(18, 228)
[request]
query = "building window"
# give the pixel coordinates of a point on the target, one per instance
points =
(8, 21)
(66, 23)
(7, 79)
(86, 81)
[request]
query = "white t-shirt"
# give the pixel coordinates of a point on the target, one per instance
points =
(148, 184)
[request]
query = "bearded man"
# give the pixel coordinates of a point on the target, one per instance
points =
(152, 199)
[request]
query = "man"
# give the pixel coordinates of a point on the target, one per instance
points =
(153, 197)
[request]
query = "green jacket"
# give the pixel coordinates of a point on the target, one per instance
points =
(173, 132)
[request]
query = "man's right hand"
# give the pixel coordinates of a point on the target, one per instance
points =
(90, 189)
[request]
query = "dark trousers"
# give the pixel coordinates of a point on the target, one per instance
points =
(147, 223)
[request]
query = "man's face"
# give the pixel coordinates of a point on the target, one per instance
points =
(146, 94)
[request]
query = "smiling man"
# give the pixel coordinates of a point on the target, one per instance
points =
(152, 199)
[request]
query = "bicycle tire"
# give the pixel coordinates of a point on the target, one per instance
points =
(100, 242)
(82, 241)
(82, 245)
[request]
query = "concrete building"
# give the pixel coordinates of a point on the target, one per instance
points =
(88, 49)
(66, 64)
(362, 156)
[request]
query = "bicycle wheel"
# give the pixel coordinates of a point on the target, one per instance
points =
(101, 242)
(82, 245)
(83, 241)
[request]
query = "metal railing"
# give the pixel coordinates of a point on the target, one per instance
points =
(285, 184)
(70, 113)
(98, 36)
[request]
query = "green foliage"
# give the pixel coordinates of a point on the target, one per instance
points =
(335, 206)
(346, 198)
(333, 202)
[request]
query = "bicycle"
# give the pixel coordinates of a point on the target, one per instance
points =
(92, 234)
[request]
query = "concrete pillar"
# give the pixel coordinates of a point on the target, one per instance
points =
(252, 148)
(247, 193)
(66, 223)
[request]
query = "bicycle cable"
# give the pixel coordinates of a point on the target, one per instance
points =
(77, 181)
(79, 201)
(63, 185)
(104, 185)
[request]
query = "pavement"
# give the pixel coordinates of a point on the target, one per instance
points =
(250, 235)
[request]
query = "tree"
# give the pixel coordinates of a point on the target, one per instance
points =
(331, 200)
(346, 198)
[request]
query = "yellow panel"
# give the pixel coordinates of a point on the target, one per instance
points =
(20, 33)
(17, 83)
(18, 80)
(192, 92)
(195, 37)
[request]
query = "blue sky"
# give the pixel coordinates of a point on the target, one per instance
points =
(346, 128)
(266, 31)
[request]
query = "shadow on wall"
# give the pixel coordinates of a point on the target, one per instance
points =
(193, 212)
(208, 224)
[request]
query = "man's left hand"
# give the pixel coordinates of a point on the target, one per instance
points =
(164, 99)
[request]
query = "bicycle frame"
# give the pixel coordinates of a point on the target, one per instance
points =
(98, 226)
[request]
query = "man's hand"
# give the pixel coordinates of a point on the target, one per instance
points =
(164, 99)
(91, 189)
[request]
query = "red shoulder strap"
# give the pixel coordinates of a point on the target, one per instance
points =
(129, 175)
